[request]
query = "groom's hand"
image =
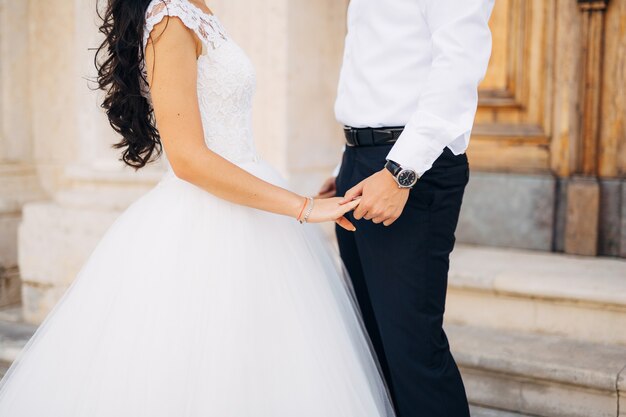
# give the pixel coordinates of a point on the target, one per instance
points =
(382, 201)
(329, 188)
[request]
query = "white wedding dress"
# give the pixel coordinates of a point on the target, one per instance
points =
(191, 306)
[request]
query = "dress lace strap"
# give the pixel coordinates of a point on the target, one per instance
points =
(206, 26)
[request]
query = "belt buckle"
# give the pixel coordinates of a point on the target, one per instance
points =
(353, 133)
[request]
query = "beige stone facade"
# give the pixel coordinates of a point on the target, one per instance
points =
(58, 172)
(534, 332)
(544, 175)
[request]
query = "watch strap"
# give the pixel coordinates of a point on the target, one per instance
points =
(393, 167)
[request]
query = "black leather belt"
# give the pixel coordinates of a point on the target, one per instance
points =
(371, 136)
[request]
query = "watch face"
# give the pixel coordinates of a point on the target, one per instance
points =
(407, 178)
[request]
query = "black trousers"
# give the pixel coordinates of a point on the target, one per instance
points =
(400, 277)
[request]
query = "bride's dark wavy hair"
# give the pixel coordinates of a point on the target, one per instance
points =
(119, 61)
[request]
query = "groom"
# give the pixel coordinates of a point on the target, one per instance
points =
(407, 97)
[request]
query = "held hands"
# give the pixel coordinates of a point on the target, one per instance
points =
(329, 209)
(377, 198)
(381, 200)
(328, 193)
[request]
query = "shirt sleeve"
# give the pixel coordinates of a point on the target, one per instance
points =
(461, 48)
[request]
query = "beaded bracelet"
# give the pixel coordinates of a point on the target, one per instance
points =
(311, 202)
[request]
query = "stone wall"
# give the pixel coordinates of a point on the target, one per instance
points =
(57, 139)
(60, 179)
(19, 182)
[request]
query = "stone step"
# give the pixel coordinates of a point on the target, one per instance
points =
(10, 286)
(538, 374)
(577, 297)
(12, 313)
(14, 334)
(477, 411)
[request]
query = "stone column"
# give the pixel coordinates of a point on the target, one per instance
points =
(18, 179)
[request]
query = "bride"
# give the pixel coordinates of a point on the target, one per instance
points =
(206, 297)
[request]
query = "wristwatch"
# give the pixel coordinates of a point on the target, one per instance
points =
(405, 177)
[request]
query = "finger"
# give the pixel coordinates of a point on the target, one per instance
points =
(327, 194)
(321, 193)
(379, 220)
(390, 221)
(329, 184)
(353, 193)
(359, 213)
(326, 188)
(349, 206)
(346, 224)
(372, 213)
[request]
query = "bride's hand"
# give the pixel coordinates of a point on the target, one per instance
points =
(331, 209)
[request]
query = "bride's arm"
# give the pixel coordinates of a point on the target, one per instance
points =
(172, 74)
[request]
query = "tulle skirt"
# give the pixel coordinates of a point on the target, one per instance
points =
(191, 306)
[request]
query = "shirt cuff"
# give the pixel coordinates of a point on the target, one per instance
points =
(424, 138)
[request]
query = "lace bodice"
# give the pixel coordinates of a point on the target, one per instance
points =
(226, 80)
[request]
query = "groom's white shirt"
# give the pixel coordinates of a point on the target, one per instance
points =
(415, 63)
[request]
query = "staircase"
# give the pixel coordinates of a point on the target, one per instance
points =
(537, 333)
(490, 412)
(534, 334)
